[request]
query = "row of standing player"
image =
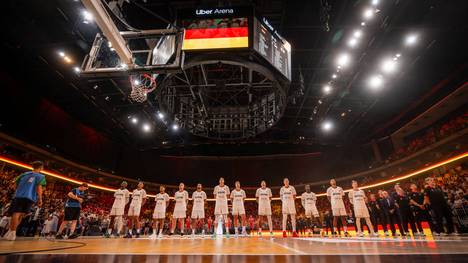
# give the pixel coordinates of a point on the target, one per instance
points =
(222, 195)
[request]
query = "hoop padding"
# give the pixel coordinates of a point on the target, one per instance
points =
(142, 84)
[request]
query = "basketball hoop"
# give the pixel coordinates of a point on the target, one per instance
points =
(142, 84)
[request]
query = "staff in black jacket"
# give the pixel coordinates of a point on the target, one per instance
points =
(390, 210)
(407, 217)
(435, 197)
(420, 210)
(376, 213)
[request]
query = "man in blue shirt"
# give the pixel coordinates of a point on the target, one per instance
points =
(72, 210)
(28, 191)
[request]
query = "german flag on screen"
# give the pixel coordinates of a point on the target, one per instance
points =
(212, 38)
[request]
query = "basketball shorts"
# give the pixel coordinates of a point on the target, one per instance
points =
(311, 211)
(361, 212)
(179, 214)
(264, 210)
(72, 213)
(339, 211)
(238, 210)
(288, 208)
(134, 210)
(221, 209)
(21, 205)
(159, 214)
(117, 211)
(198, 214)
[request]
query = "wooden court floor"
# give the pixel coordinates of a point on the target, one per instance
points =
(246, 249)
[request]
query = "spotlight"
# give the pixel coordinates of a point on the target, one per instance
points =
(342, 60)
(352, 42)
(411, 39)
(67, 59)
(375, 81)
(87, 16)
(160, 115)
(363, 23)
(368, 13)
(327, 89)
(77, 69)
(357, 33)
(398, 55)
(388, 65)
(375, 2)
(334, 76)
(134, 120)
(327, 126)
(61, 53)
(146, 127)
(136, 82)
(175, 127)
(320, 102)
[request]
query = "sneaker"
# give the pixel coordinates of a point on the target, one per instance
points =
(284, 234)
(59, 236)
(128, 235)
(387, 234)
(435, 234)
(359, 234)
(7, 234)
(454, 234)
(295, 234)
(171, 233)
(107, 235)
(244, 233)
(214, 235)
(152, 236)
(375, 234)
(346, 234)
(137, 235)
(271, 234)
(73, 236)
(10, 236)
(227, 235)
(334, 234)
(160, 235)
(443, 234)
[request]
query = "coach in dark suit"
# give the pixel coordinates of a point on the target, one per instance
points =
(390, 210)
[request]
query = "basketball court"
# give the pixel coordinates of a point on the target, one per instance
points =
(245, 249)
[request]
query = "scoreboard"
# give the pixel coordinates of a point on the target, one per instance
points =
(232, 29)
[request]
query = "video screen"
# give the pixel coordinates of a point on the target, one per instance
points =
(215, 33)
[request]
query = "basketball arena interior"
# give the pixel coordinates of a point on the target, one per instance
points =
(234, 131)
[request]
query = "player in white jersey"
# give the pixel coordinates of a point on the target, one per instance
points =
(263, 196)
(221, 194)
(308, 200)
(121, 198)
(358, 198)
(159, 214)
(288, 206)
(181, 198)
(335, 196)
(237, 198)
(138, 200)
(198, 209)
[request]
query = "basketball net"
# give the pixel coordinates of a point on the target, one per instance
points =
(142, 84)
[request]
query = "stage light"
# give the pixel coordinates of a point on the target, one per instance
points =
(327, 89)
(160, 115)
(61, 53)
(368, 13)
(146, 127)
(375, 2)
(334, 76)
(342, 60)
(67, 59)
(77, 69)
(363, 23)
(320, 102)
(343, 114)
(398, 55)
(411, 39)
(375, 81)
(134, 120)
(389, 65)
(175, 127)
(136, 82)
(87, 16)
(357, 33)
(327, 126)
(352, 42)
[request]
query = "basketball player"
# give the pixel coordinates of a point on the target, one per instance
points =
(308, 200)
(335, 196)
(221, 194)
(28, 191)
(237, 199)
(72, 211)
(180, 209)
(263, 196)
(198, 209)
(358, 198)
(288, 195)
(138, 200)
(159, 214)
(122, 196)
